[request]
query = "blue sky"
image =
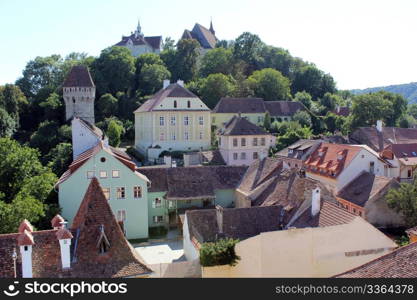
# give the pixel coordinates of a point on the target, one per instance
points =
(362, 43)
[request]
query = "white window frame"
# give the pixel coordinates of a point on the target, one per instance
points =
(90, 174)
(113, 174)
(158, 219)
(173, 136)
(235, 144)
(201, 120)
(255, 142)
(201, 135)
(101, 173)
(161, 121)
(140, 192)
(243, 142)
(121, 215)
(157, 203)
(186, 120)
(263, 141)
(117, 192)
(173, 120)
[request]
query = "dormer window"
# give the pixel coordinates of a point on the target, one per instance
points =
(103, 243)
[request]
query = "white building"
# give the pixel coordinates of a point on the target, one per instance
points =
(339, 164)
(174, 119)
(139, 44)
(85, 136)
(242, 142)
(403, 158)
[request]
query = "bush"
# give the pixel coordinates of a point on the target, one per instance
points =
(135, 154)
(221, 252)
(158, 231)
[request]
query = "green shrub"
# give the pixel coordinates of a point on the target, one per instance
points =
(221, 252)
(158, 231)
(135, 153)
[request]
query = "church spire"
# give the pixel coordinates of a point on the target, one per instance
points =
(211, 27)
(138, 29)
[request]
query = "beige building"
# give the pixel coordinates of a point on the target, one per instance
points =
(307, 252)
(174, 119)
(242, 142)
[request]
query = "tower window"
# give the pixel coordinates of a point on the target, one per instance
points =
(175, 103)
(73, 100)
(188, 103)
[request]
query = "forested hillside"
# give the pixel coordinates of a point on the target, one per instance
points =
(407, 90)
(35, 138)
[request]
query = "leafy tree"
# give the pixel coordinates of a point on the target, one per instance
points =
(248, 47)
(8, 125)
(329, 101)
(267, 121)
(412, 110)
(289, 132)
(214, 87)
(12, 100)
(218, 60)
(269, 84)
(368, 108)
(303, 118)
(312, 80)
(404, 200)
(152, 77)
(54, 108)
(168, 44)
(106, 106)
(407, 121)
(59, 158)
(277, 58)
(114, 70)
(114, 132)
(46, 137)
(186, 60)
(304, 98)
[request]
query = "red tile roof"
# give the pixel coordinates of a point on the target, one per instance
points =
(79, 76)
(331, 159)
(400, 263)
(93, 217)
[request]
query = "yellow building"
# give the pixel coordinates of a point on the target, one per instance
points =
(174, 119)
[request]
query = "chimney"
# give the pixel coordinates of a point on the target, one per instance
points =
(315, 202)
(379, 125)
(57, 222)
(64, 237)
(166, 83)
(25, 243)
(180, 82)
(219, 217)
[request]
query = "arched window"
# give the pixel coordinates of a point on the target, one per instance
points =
(175, 103)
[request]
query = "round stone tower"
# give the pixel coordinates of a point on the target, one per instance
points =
(79, 93)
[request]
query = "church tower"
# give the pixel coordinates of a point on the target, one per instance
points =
(79, 94)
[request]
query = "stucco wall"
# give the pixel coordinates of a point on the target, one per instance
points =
(218, 119)
(308, 252)
(71, 193)
(82, 138)
(225, 198)
(157, 211)
(190, 252)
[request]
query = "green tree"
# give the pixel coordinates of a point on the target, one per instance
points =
(8, 125)
(53, 107)
(221, 252)
(12, 100)
(114, 70)
(46, 137)
(412, 110)
(106, 106)
(168, 44)
(114, 132)
(277, 58)
(312, 80)
(152, 77)
(218, 60)
(407, 121)
(304, 98)
(330, 101)
(59, 158)
(269, 84)
(267, 121)
(303, 118)
(248, 48)
(186, 60)
(404, 200)
(214, 87)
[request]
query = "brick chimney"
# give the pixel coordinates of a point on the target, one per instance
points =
(315, 201)
(57, 222)
(25, 242)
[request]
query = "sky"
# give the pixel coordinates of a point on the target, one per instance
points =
(361, 43)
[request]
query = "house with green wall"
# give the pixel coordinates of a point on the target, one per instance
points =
(174, 190)
(124, 187)
(254, 110)
(142, 198)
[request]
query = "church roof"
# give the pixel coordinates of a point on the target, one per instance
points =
(204, 36)
(79, 76)
(152, 41)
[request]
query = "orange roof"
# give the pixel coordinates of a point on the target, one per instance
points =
(331, 159)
